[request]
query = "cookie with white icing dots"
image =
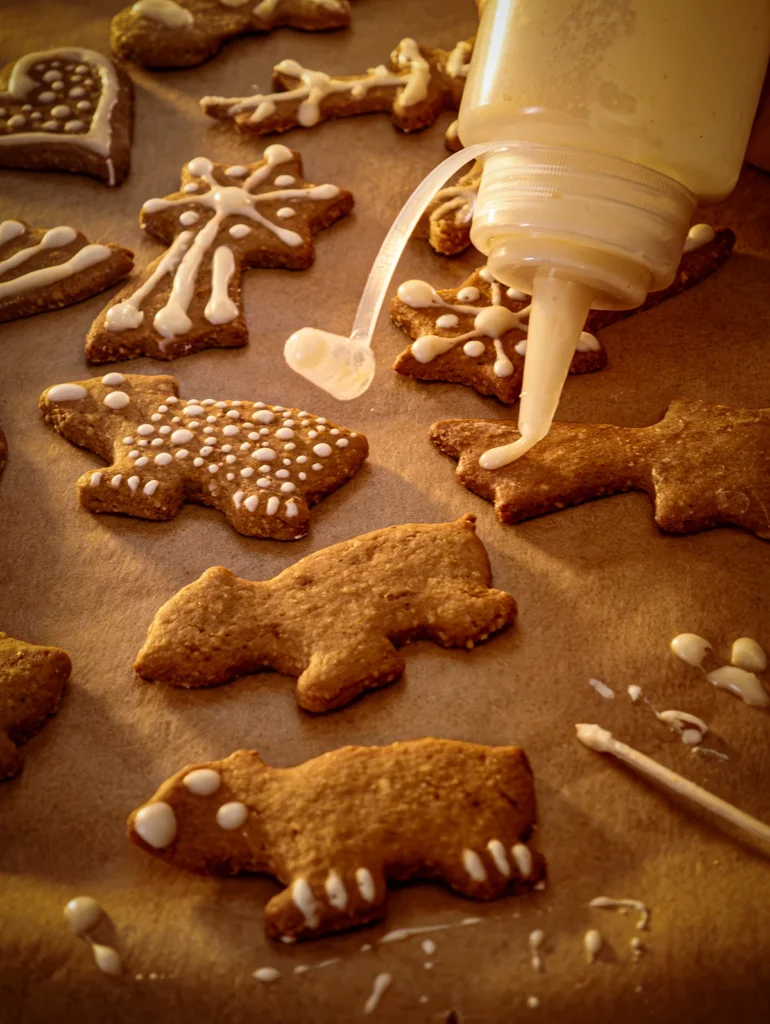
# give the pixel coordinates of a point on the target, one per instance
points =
(181, 33)
(262, 465)
(476, 334)
(703, 465)
(334, 829)
(410, 582)
(224, 219)
(418, 85)
(66, 109)
(32, 681)
(42, 269)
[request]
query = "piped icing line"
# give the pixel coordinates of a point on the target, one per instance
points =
(602, 741)
(98, 134)
(84, 258)
(608, 903)
(381, 984)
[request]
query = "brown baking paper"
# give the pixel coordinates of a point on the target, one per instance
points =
(601, 592)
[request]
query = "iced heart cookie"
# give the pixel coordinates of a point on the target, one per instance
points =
(32, 681)
(66, 110)
(411, 582)
(703, 465)
(262, 465)
(419, 84)
(473, 335)
(47, 269)
(180, 33)
(333, 830)
(224, 219)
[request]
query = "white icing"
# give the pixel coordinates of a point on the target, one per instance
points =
(747, 654)
(691, 728)
(536, 939)
(428, 946)
(698, 235)
(447, 320)
(365, 884)
(237, 171)
(691, 648)
(188, 218)
(182, 436)
(523, 859)
(83, 914)
(241, 230)
(267, 974)
(399, 934)
(381, 983)
(336, 891)
(634, 692)
(106, 959)
(322, 450)
(164, 12)
(10, 229)
(497, 852)
(232, 815)
(220, 308)
(82, 260)
(533, 1002)
(743, 684)
(602, 689)
(155, 823)
(285, 212)
(113, 380)
(607, 903)
(303, 898)
(66, 393)
(116, 400)
(592, 943)
(474, 866)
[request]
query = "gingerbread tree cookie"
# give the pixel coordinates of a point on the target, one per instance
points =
(428, 582)
(419, 84)
(334, 829)
(224, 219)
(703, 465)
(66, 109)
(180, 33)
(262, 465)
(47, 269)
(473, 335)
(32, 681)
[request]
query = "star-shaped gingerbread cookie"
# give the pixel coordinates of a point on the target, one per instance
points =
(420, 83)
(181, 33)
(32, 681)
(262, 465)
(224, 219)
(403, 583)
(703, 465)
(333, 830)
(67, 109)
(46, 269)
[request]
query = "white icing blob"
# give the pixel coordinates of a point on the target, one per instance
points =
(634, 692)
(497, 852)
(232, 815)
(107, 959)
(741, 683)
(365, 884)
(182, 436)
(592, 943)
(267, 974)
(698, 235)
(746, 653)
(448, 320)
(336, 891)
(66, 392)
(523, 858)
(473, 348)
(418, 294)
(474, 866)
(116, 400)
(83, 914)
(602, 689)
(381, 983)
(691, 648)
(303, 898)
(112, 380)
(156, 823)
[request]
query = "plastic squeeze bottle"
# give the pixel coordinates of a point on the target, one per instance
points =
(602, 124)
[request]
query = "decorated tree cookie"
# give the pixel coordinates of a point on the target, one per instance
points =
(66, 109)
(703, 465)
(334, 830)
(224, 219)
(419, 84)
(180, 33)
(262, 465)
(333, 618)
(32, 681)
(45, 269)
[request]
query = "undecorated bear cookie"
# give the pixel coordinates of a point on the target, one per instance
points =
(333, 830)
(420, 83)
(32, 681)
(171, 34)
(46, 269)
(332, 619)
(703, 465)
(262, 465)
(66, 110)
(224, 219)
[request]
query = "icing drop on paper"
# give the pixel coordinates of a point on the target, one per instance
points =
(747, 654)
(535, 942)
(107, 959)
(267, 974)
(602, 689)
(691, 648)
(592, 943)
(742, 684)
(607, 903)
(381, 983)
(83, 914)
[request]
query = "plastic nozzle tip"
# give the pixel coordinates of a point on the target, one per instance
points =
(343, 367)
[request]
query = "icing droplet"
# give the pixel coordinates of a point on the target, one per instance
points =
(83, 914)
(66, 392)
(322, 450)
(112, 380)
(592, 943)
(267, 974)
(746, 653)
(691, 648)
(232, 815)
(602, 689)
(107, 959)
(116, 400)
(156, 824)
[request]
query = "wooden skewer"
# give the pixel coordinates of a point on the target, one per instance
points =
(604, 742)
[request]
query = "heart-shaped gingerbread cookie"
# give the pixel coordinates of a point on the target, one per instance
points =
(69, 110)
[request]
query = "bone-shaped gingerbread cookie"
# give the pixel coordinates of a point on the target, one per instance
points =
(67, 109)
(419, 84)
(47, 269)
(180, 33)
(334, 829)
(403, 583)
(703, 465)
(224, 219)
(32, 681)
(262, 465)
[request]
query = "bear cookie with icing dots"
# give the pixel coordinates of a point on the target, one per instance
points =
(334, 829)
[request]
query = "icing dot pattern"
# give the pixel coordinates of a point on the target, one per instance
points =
(47, 82)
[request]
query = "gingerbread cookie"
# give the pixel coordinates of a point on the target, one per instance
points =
(66, 110)
(47, 269)
(262, 465)
(473, 335)
(412, 582)
(224, 219)
(447, 221)
(180, 33)
(333, 830)
(703, 465)
(420, 83)
(32, 681)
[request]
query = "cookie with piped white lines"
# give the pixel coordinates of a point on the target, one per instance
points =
(67, 109)
(262, 465)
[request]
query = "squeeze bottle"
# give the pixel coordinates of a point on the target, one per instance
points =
(602, 124)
